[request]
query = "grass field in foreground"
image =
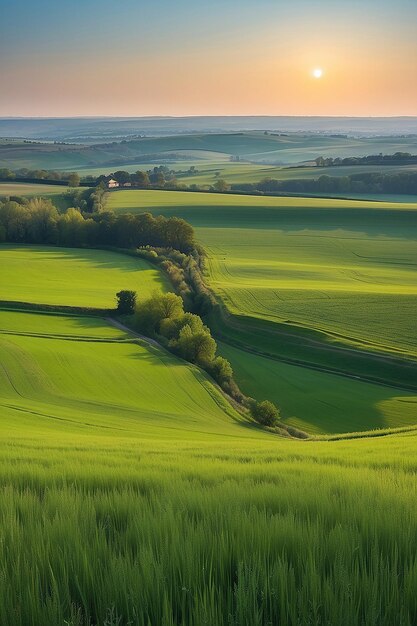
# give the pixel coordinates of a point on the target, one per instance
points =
(72, 276)
(338, 266)
(132, 494)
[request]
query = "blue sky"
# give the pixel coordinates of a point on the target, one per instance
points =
(204, 44)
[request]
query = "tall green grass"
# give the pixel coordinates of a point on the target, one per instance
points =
(131, 493)
(105, 530)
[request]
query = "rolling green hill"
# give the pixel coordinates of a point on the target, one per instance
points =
(335, 266)
(253, 146)
(235, 173)
(318, 286)
(72, 276)
(89, 376)
(131, 492)
(321, 402)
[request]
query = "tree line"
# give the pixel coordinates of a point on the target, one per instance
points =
(168, 242)
(158, 176)
(162, 177)
(71, 179)
(371, 159)
(163, 316)
(38, 221)
(368, 182)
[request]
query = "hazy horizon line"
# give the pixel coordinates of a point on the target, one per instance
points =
(155, 117)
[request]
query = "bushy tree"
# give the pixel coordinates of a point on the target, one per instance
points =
(221, 185)
(141, 178)
(121, 176)
(171, 327)
(73, 180)
(126, 301)
(14, 219)
(220, 369)
(150, 313)
(71, 228)
(42, 221)
(265, 413)
(6, 174)
(197, 347)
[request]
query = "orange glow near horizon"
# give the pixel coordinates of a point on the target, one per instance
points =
(269, 68)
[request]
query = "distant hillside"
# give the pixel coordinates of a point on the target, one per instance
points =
(94, 129)
(257, 147)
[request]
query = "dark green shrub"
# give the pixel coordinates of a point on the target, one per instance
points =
(126, 301)
(265, 413)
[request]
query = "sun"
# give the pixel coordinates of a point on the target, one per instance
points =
(317, 72)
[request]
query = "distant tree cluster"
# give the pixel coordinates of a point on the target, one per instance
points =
(159, 176)
(372, 159)
(37, 220)
(367, 182)
(66, 178)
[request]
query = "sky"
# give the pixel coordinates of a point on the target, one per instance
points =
(213, 57)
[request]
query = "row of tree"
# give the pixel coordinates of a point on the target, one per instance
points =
(158, 176)
(397, 183)
(184, 273)
(401, 158)
(38, 221)
(163, 316)
(72, 179)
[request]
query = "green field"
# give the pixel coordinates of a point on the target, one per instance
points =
(118, 462)
(134, 494)
(31, 189)
(80, 370)
(318, 402)
(55, 193)
(329, 285)
(72, 276)
(347, 268)
(210, 169)
(235, 173)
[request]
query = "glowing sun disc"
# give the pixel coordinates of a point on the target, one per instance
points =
(317, 72)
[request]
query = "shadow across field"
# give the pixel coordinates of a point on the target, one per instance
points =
(314, 350)
(321, 402)
(95, 257)
(370, 221)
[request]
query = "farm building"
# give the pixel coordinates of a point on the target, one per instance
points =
(112, 183)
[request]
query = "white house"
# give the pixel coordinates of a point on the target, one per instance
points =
(112, 183)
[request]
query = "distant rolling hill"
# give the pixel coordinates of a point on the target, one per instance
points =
(94, 129)
(271, 148)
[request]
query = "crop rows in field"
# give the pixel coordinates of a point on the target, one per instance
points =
(89, 375)
(340, 274)
(132, 493)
